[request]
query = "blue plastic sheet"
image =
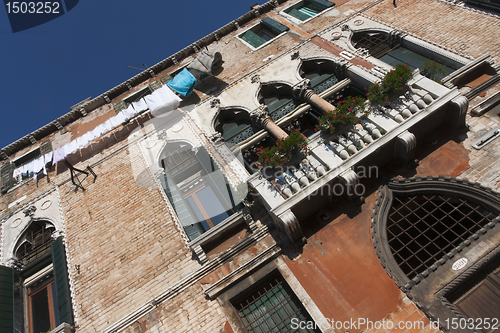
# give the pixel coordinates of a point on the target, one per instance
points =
(183, 83)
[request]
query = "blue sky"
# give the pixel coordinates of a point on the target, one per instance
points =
(85, 52)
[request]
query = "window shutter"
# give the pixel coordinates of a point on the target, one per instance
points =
(320, 4)
(119, 106)
(62, 282)
(154, 85)
(165, 78)
(6, 180)
(6, 299)
(274, 25)
(253, 39)
(45, 147)
(297, 14)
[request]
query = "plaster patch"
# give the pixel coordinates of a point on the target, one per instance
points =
(333, 12)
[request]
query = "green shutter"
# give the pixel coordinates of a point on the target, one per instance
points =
(165, 78)
(45, 147)
(319, 5)
(62, 282)
(6, 299)
(297, 14)
(154, 85)
(274, 25)
(119, 106)
(6, 180)
(253, 39)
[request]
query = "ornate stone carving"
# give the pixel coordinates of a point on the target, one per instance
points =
(255, 78)
(291, 226)
(259, 116)
(56, 234)
(249, 220)
(106, 98)
(216, 137)
(295, 55)
(303, 91)
(16, 264)
(30, 211)
(214, 103)
(129, 86)
(83, 112)
(345, 27)
(457, 113)
(406, 144)
(162, 135)
(350, 180)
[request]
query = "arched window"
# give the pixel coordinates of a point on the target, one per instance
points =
(196, 188)
(376, 42)
(278, 97)
(38, 294)
(234, 125)
(321, 72)
(35, 241)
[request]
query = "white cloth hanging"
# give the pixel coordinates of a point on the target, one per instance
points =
(129, 112)
(82, 141)
(70, 147)
(47, 158)
(59, 155)
(106, 126)
(17, 173)
(95, 133)
(140, 105)
(28, 168)
(117, 120)
(162, 101)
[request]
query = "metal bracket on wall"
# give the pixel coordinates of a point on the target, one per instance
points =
(78, 183)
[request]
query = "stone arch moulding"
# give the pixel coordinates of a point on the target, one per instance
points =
(353, 31)
(445, 186)
(170, 141)
(220, 109)
(38, 210)
(277, 84)
(314, 58)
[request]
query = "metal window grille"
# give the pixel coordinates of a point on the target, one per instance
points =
(177, 161)
(271, 308)
(376, 43)
(422, 229)
(37, 241)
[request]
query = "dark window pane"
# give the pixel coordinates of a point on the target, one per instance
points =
(40, 314)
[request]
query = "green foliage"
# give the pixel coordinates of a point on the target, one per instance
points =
(393, 82)
(284, 150)
(433, 70)
(347, 112)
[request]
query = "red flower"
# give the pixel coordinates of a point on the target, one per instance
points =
(331, 132)
(367, 94)
(404, 65)
(409, 61)
(266, 159)
(440, 77)
(334, 117)
(402, 88)
(364, 88)
(304, 148)
(343, 116)
(315, 130)
(282, 159)
(279, 147)
(376, 84)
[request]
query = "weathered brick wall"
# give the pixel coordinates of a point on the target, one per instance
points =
(188, 312)
(471, 32)
(125, 242)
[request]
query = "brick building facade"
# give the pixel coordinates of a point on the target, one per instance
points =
(165, 223)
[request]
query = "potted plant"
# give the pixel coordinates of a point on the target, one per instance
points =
(393, 84)
(347, 113)
(284, 150)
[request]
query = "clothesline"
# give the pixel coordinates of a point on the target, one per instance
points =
(159, 102)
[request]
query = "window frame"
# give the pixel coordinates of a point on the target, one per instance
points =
(260, 24)
(285, 12)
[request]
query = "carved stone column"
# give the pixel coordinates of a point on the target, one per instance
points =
(406, 144)
(457, 112)
(304, 93)
(261, 118)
